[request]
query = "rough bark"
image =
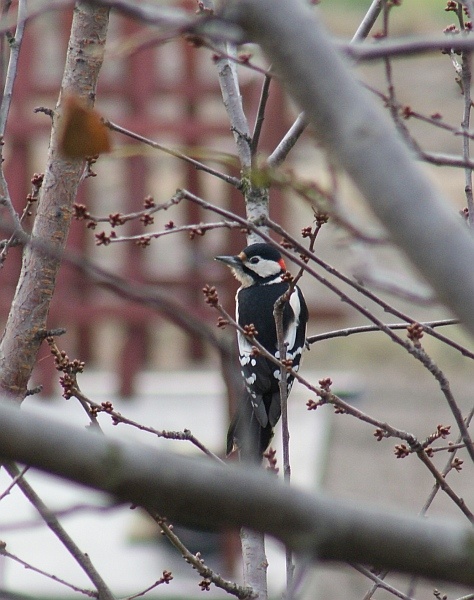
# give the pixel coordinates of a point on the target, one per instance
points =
(27, 319)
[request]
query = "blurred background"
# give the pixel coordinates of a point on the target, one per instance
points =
(148, 367)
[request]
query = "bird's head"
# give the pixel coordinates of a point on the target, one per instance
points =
(256, 264)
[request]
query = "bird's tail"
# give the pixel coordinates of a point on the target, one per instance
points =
(247, 434)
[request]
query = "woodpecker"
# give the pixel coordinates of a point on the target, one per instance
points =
(260, 268)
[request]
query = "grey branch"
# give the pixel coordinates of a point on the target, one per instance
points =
(289, 140)
(368, 21)
(407, 46)
(292, 136)
(204, 493)
(360, 136)
(15, 46)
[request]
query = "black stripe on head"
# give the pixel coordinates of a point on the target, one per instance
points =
(263, 250)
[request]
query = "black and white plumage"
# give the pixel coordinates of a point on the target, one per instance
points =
(259, 268)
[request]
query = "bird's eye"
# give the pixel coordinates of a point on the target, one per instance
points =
(254, 260)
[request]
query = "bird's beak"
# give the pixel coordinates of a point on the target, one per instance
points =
(230, 261)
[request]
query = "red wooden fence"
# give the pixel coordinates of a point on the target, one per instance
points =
(168, 93)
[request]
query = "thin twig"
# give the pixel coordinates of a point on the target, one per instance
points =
(326, 396)
(356, 286)
(313, 257)
(13, 483)
(417, 352)
(379, 582)
(193, 230)
(176, 153)
(260, 113)
(73, 510)
(283, 386)
(119, 218)
(465, 83)
(167, 577)
(4, 552)
(198, 563)
(290, 138)
(406, 46)
(15, 46)
(446, 160)
(92, 409)
(370, 328)
(117, 417)
(52, 522)
(280, 153)
(448, 467)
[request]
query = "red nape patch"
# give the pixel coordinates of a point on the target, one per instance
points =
(281, 262)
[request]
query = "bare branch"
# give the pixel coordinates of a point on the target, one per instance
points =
(290, 138)
(260, 113)
(380, 582)
(368, 21)
(107, 408)
(52, 522)
(4, 552)
(30, 306)
(13, 483)
(15, 46)
(193, 230)
(361, 289)
(367, 328)
(176, 153)
(167, 577)
(197, 562)
(326, 396)
(360, 135)
(407, 46)
(197, 491)
(296, 130)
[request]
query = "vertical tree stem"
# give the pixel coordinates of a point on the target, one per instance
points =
(254, 562)
(29, 310)
(285, 431)
(466, 75)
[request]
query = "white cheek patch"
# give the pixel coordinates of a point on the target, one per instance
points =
(265, 268)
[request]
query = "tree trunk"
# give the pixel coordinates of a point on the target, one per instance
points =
(28, 315)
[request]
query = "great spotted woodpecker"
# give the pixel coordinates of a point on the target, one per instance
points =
(260, 268)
